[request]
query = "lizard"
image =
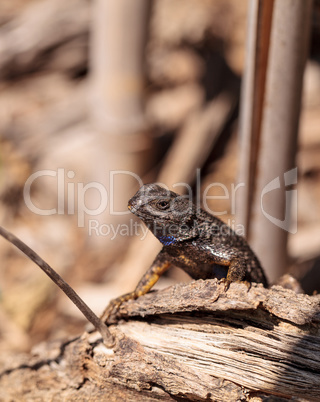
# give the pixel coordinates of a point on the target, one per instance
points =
(194, 240)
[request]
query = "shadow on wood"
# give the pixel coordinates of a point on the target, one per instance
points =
(191, 341)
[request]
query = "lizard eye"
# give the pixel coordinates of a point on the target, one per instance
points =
(163, 204)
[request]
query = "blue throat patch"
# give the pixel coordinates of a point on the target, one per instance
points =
(167, 240)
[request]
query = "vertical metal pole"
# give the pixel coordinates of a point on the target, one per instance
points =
(119, 34)
(117, 68)
(252, 95)
(280, 121)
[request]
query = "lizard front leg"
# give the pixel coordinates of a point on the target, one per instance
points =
(230, 258)
(158, 267)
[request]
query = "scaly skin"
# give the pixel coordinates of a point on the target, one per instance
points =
(199, 243)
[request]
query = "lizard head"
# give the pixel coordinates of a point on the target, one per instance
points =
(168, 215)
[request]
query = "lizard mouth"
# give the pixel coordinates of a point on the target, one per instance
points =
(132, 208)
(130, 205)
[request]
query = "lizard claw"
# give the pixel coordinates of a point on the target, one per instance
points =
(226, 283)
(113, 307)
(110, 310)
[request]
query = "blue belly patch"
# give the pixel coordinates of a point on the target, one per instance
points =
(167, 240)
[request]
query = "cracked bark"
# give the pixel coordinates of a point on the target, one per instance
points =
(192, 341)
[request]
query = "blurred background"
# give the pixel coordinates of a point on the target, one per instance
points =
(94, 89)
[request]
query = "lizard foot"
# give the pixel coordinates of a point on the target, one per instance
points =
(108, 316)
(226, 283)
(111, 310)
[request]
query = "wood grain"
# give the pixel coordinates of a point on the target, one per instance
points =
(192, 341)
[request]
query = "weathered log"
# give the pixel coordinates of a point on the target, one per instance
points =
(192, 341)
